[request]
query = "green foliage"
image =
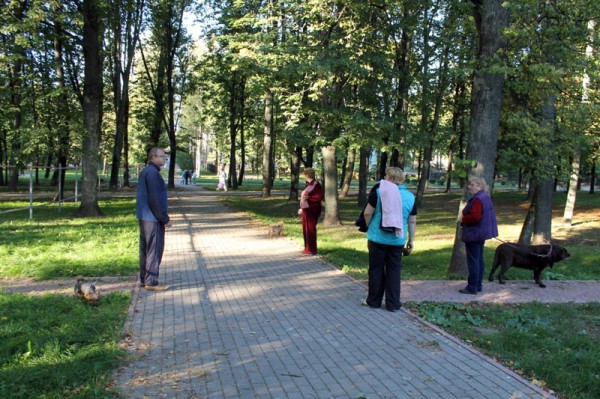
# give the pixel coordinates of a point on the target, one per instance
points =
(446, 314)
(462, 166)
(55, 346)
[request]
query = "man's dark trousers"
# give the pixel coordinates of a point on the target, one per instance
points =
(152, 245)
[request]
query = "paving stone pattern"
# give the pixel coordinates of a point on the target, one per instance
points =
(248, 316)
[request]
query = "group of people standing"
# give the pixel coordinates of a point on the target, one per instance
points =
(389, 220)
(188, 176)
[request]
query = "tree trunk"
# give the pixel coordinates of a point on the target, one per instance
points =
(343, 174)
(118, 105)
(159, 101)
(15, 85)
(593, 176)
(383, 160)
(491, 18)
(16, 10)
(572, 194)
(125, 44)
(126, 174)
(233, 93)
(63, 129)
(363, 175)
(347, 180)
(527, 229)
(331, 217)
(309, 158)
(542, 219)
(424, 178)
(449, 169)
(458, 261)
(242, 138)
(267, 163)
(425, 99)
(92, 108)
(295, 157)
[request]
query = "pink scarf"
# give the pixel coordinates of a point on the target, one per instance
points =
(305, 193)
(391, 207)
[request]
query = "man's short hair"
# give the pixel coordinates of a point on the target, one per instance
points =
(153, 152)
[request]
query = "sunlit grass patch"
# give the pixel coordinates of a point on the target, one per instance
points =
(54, 244)
(56, 346)
(555, 346)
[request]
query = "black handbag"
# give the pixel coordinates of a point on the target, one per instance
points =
(361, 222)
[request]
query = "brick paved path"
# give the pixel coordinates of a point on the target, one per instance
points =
(248, 317)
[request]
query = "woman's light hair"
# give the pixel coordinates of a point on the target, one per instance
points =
(395, 174)
(480, 181)
(309, 172)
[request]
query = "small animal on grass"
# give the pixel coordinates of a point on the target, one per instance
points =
(531, 257)
(87, 291)
(276, 229)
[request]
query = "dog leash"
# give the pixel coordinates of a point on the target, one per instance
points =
(535, 254)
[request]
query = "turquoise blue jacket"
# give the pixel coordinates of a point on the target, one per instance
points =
(375, 234)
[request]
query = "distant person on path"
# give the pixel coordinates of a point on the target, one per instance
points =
(310, 210)
(391, 217)
(222, 185)
(183, 173)
(153, 218)
(194, 177)
(478, 224)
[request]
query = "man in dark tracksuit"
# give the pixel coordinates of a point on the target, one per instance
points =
(153, 218)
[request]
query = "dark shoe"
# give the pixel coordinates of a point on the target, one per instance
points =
(479, 289)
(156, 287)
(466, 291)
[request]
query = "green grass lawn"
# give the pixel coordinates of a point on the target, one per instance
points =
(555, 346)
(54, 244)
(58, 346)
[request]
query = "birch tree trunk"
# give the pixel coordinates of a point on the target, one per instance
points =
(267, 163)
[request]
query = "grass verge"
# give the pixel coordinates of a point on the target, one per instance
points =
(554, 346)
(56, 346)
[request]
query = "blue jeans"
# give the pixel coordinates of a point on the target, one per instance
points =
(475, 264)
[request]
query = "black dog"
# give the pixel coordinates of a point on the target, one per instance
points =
(532, 257)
